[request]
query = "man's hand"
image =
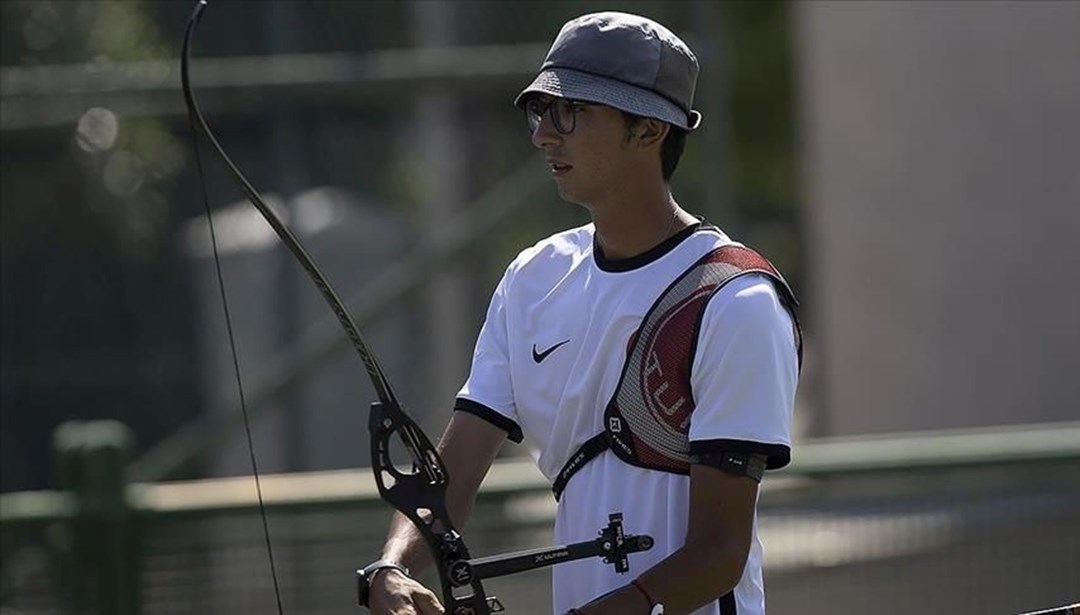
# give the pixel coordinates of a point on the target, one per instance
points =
(625, 600)
(393, 593)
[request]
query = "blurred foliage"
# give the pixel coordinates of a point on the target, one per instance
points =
(95, 303)
(98, 307)
(62, 32)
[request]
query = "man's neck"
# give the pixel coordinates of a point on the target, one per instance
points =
(633, 226)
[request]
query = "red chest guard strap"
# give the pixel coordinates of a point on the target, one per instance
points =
(647, 420)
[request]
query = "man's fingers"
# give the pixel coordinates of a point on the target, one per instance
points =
(427, 603)
(397, 594)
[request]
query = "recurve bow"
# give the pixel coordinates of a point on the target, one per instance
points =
(419, 494)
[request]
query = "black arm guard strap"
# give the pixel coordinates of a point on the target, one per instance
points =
(736, 464)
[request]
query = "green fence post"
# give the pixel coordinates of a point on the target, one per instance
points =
(91, 461)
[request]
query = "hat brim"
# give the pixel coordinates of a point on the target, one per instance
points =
(579, 85)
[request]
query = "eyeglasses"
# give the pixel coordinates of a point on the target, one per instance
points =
(563, 113)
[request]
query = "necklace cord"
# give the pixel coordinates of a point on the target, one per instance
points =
(667, 233)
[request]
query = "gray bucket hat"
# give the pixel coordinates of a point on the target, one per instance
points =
(624, 61)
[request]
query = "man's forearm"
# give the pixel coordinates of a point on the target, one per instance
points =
(689, 578)
(695, 575)
(720, 527)
(405, 545)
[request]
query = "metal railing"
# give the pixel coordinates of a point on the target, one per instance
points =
(981, 521)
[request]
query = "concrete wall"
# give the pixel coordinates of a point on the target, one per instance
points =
(942, 174)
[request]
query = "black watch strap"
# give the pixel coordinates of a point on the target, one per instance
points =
(365, 574)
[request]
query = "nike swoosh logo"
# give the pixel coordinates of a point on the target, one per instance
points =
(540, 356)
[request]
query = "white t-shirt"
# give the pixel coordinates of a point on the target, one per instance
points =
(548, 360)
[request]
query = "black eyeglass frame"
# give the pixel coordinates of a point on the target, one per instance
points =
(536, 107)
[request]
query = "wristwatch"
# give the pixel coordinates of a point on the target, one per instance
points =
(657, 609)
(365, 574)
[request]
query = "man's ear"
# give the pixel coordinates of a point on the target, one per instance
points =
(649, 132)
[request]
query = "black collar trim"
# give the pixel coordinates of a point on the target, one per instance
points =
(636, 262)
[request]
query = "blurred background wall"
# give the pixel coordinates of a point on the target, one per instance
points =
(941, 165)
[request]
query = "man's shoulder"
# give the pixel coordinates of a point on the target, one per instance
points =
(571, 242)
(556, 252)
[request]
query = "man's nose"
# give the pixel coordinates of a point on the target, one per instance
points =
(545, 134)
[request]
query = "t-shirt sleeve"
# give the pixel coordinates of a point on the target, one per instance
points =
(488, 392)
(745, 373)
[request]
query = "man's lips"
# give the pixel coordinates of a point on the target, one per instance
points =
(558, 167)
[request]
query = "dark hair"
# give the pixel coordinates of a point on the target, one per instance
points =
(671, 150)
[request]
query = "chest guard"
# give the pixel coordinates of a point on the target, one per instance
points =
(647, 420)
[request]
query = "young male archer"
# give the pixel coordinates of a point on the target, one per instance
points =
(648, 361)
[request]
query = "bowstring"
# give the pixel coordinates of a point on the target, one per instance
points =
(236, 363)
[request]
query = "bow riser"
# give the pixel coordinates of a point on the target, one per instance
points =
(421, 496)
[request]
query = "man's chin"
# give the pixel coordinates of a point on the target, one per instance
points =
(570, 196)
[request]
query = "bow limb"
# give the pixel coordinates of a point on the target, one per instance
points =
(378, 378)
(419, 494)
